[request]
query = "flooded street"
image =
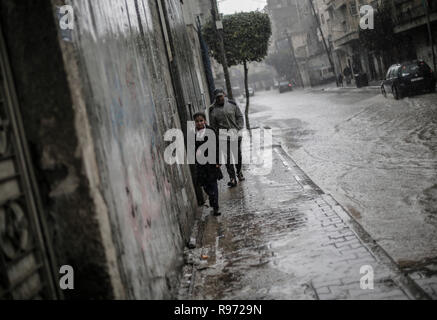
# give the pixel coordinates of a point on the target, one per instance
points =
(281, 237)
(376, 156)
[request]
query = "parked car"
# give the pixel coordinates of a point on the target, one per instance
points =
(285, 86)
(251, 92)
(407, 78)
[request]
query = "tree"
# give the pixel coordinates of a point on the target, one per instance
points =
(246, 38)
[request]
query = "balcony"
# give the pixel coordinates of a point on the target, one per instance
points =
(411, 17)
(348, 37)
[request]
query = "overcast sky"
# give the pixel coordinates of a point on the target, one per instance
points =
(232, 6)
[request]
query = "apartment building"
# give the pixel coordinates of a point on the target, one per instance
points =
(340, 23)
(295, 29)
(412, 25)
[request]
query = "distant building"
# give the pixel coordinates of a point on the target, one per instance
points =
(295, 29)
(340, 24)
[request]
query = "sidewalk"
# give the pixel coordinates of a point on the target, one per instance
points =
(374, 86)
(281, 237)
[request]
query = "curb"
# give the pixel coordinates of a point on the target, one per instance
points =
(403, 280)
(351, 89)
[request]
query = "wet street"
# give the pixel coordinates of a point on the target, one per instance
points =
(281, 237)
(287, 235)
(376, 156)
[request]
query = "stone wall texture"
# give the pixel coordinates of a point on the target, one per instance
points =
(95, 108)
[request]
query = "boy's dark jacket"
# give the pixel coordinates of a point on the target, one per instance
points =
(208, 172)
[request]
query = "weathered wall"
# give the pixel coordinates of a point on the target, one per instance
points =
(131, 103)
(96, 114)
(191, 10)
(48, 117)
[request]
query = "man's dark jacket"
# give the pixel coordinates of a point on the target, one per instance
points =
(208, 172)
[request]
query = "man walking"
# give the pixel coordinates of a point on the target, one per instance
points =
(340, 79)
(348, 75)
(226, 115)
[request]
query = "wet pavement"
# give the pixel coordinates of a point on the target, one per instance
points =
(281, 237)
(376, 156)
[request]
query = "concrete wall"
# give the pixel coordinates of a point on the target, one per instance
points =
(49, 120)
(191, 10)
(95, 111)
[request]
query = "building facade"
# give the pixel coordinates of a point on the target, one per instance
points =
(340, 21)
(295, 29)
(84, 184)
(411, 19)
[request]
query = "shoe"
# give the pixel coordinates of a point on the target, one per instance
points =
(232, 183)
(216, 212)
(241, 177)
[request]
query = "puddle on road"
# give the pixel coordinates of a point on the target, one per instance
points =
(243, 244)
(247, 267)
(380, 164)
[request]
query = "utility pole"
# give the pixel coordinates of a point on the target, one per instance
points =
(218, 26)
(431, 40)
(293, 55)
(328, 52)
